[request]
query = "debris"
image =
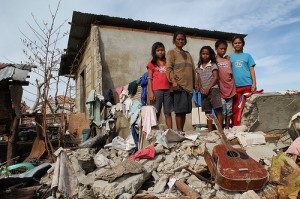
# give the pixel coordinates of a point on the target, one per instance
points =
(186, 189)
(161, 184)
(295, 147)
(86, 159)
(285, 172)
(199, 176)
(126, 167)
(64, 178)
(147, 153)
(249, 195)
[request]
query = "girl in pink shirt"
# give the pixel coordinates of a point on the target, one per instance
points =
(158, 84)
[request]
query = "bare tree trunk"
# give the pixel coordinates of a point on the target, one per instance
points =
(11, 146)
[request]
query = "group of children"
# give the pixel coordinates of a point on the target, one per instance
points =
(221, 80)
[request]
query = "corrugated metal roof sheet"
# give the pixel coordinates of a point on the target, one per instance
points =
(15, 72)
(81, 24)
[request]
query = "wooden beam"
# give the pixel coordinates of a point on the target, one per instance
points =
(184, 188)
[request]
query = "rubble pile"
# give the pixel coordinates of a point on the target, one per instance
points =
(177, 169)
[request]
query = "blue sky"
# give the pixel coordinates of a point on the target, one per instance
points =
(273, 28)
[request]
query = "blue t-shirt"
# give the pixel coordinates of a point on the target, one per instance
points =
(241, 64)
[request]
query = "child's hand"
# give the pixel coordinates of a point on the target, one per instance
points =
(202, 91)
(175, 86)
(253, 88)
(206, 91)
(196, 88)
(227, 57)
(151, 97)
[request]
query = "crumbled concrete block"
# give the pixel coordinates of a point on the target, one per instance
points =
(249, 195)
(161, 184)
(155, 175)
(89, 179)
(200, 185)
(159, 149)
(125, 196)
(85, 193)
(183, 175)
(104, 189)
(85, 159)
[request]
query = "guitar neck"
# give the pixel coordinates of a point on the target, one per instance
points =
(221, 133)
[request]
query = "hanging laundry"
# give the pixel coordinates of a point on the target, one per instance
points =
(93, 103)
(119, 90)
(132, 87)
(144, 83)
(149, 119)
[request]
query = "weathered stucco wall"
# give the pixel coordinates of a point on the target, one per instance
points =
(126, 52)
(89, 74)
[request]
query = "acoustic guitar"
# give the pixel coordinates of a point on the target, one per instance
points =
(231, 168)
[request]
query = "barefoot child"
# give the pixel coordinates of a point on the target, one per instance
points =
(226, 81)
(158, 84)
(208, 84)
(243, 73)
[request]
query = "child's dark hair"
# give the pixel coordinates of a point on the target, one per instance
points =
(155, 46)
(240, 38)
(179, 33)
(212, 55)
(221, 41)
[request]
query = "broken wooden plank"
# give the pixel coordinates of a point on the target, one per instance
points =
(199, 176)
(37, 150)
(184, 188)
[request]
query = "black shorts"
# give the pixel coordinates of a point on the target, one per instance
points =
(163, 98)
(182, 102)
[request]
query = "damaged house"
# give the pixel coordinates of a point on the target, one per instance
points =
(12, 78)
(108, 52)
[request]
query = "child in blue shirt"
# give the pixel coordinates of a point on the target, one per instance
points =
(243, 73)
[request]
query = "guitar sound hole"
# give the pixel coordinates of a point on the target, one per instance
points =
(232, 154)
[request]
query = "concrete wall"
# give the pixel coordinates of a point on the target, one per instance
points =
(91, 68)
(270, 112)
(115, 57)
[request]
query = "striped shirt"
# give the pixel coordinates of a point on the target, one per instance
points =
(206, 74)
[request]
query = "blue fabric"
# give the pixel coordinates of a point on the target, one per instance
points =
(197, 99)
(144, 83)
(241, 64)
(134, 111)
(135, 137)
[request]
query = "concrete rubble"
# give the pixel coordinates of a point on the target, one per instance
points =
(110, 173)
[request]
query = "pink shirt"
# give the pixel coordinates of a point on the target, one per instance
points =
(226, 81)
(160, 80)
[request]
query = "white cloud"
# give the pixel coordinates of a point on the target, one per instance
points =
(264, 14)
(282, 81)
(272, 63)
